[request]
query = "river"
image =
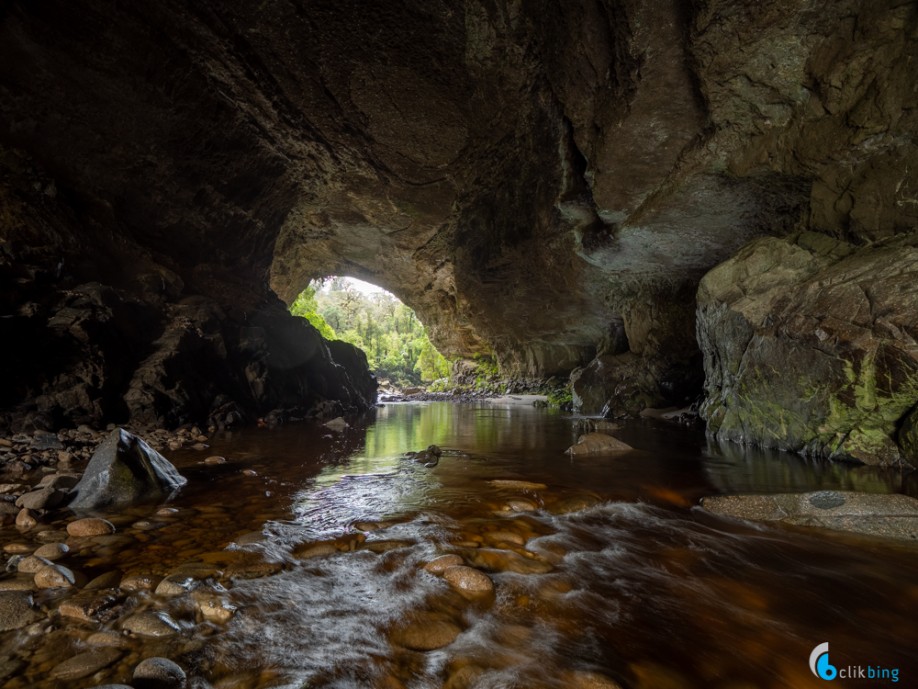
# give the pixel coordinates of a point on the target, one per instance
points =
(604, 569)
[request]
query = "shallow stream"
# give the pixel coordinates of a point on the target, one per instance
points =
(311, 547)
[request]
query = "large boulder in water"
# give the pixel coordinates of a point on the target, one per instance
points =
(124, 469)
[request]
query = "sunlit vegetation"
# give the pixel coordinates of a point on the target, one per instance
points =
(395, 341)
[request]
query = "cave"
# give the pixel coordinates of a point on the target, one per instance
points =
(707, 206)
(531, 179)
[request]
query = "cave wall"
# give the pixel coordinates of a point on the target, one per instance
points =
(545, 181)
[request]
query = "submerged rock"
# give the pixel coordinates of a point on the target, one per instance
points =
(85, 664)
(16, 610)
(124, 469)
(468, 581)
(892, 516)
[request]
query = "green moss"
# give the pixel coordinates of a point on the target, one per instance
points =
(561, 398)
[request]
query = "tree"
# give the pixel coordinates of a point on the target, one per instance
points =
(394, 340)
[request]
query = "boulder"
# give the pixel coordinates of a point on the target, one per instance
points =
(809, 346)
(598, 444)
(123, 470)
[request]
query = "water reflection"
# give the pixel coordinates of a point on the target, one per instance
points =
(603, 568)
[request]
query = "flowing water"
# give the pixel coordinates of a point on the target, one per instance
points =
(604, 570)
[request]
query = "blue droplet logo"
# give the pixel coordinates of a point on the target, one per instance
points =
(819, 662)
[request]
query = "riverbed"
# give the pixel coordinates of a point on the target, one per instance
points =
(309, 548)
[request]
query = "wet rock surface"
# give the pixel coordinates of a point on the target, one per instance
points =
(889, 516)
(124, 470)
(809, 346)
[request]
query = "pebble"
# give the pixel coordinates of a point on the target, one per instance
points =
(26, 519)
(85, 664)
(90, 526)
(508, 561)
(317, 550)
(31, 564)
(442, 563)
(43, 498)
(468, 580)
(16, 610)
(249, 472)
(58, 481)
(426, 632)
(86, 606)
(52, 551)
(213, 607)
(23, 583)
(51, 536)
(158, 673)
(215, 459)
(175, 585)
(140, 581)
(17, 548)
(505, 537)
(54, 576)
(108, 580)
(107, 639)
(155, 624)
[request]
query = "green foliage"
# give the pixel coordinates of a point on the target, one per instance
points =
(307, 307)
(394, 340)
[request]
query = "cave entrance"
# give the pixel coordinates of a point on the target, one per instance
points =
(396, 343)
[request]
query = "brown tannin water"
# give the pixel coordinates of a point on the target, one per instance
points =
(311, 573)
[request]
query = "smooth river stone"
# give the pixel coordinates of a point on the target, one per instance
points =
(31, 564)
(507, 561)
(54, 576)
(85, 664)
(140, 581)
(504, 537)
(52, 551)
(150, 623)
(468, 580)
(426, 632)
(175, 585)
(158, 673)
(90, 526)
(23, 582)
(212, 606)
(442, 563)
(16, 610)
(26, 519)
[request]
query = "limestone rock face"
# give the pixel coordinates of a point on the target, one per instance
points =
(810, 346)
(122, 470)
(545, 181)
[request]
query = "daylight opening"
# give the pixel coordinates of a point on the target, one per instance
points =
(396, 343)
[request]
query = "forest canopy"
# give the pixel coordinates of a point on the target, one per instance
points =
(395, 341)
